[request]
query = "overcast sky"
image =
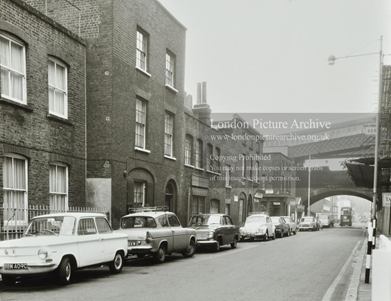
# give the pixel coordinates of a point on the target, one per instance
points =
(271, 55)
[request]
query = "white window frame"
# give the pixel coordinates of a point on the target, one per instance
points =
(55, 193)
(141, 40)
(10, 70)
(170, 69)
(24, 210)
(143, 187)
(227, 176)
(141, 124)
(257, 171)
(167, 135)
(56, 89)
(243, 166)
(198, 153)
(189, 140)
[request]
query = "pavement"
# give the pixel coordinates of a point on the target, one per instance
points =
(363, 290)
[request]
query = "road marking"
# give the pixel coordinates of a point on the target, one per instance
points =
(330, 291)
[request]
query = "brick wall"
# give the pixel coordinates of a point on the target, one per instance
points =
(28, 130)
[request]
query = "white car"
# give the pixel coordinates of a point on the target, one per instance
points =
(258, 226)
(62, 243)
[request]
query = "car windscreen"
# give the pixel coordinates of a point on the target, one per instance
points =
(307, 219)
(204, 220)
(59, 225)
(131, 222)
(255, 219)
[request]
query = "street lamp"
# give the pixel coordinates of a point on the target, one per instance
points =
(332, 60)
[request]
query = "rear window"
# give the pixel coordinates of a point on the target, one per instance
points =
(138, 222)
(255, 219)
(205, 220)
(307, 219)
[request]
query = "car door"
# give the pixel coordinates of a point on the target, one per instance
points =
(90, 245)
(231, 228)
(180, 237)
(270, 226)
(105, 231)
(164, 233)
(223, 231)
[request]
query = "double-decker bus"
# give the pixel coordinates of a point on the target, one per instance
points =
(346, 216)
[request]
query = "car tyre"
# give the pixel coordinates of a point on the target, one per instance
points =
(190, 250)
(266, 236)
(160, 255)
(217, 247)
(8, 280)
(234, 244)
(65, 271)
(117, 264)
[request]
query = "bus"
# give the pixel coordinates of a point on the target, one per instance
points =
(346, 216)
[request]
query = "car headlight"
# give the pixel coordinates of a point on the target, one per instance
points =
(42, 253)
(210, 234)
(260, 230)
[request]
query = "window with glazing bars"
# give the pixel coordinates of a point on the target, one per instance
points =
(198, 154)
(168, 134)
(141, 112)
(139, 194)
(170, 66)
(141, 53)
(58, 186)
(57, 76)
(188, 149)
(13, 69)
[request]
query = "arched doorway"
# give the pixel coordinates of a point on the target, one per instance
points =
(242, 208)
(249, 205)
(170, 196)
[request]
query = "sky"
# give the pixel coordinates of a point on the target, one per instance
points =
(271, 56)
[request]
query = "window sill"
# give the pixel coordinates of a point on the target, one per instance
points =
(190, 166)
(201, 169)
(171, 88)
(60, 119)
(143, 150)
(213, 173)
(170, 158)
(143, 71)
(16, 104)
(228, 187)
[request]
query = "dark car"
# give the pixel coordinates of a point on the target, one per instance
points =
(215, 230)
(282, 228)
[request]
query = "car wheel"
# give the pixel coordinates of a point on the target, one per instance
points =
(65, 271)
(242, 239)
(289, 232)
(8, 280)
(217, 247)
(160, 255)
(295, 232)
(234, 244)
(266, 236)
(117, 264)
(190, 250)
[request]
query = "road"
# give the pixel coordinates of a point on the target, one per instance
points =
(300, 267)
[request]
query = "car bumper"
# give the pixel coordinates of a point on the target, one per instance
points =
(251, 235)
(141, 250)
(32, 268)
(206, 243)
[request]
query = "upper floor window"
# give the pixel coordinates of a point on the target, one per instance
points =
(227, 175)
(13, 69)
(188, 150)
(58, 187)
(15, 188)
(209, 157)
(168, 134)
(217, 159)
(142, 50)
(141, 117)
(170, 69)
(58, 88)
(198, 154)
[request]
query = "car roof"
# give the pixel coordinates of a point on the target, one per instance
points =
(209, 214)
(153, 214)
(259, 214)
(72, 214)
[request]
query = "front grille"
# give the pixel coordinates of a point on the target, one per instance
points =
(202, 235)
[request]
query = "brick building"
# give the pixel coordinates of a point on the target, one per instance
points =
(42, 112)
(146, 144)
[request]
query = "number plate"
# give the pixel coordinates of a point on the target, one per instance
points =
(15, 266)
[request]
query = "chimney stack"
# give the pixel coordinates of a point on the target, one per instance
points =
(202, 110)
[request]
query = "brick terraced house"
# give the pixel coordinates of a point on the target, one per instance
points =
(146, 145)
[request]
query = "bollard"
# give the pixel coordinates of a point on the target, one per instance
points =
(374, 234)
(381, 274)
(369, 253)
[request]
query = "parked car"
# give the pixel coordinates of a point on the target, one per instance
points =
(292, 224)
(258, 225)
(308, 223)
(62, 243)
(158, 233)
(281, 227)
(215, 230)
(325, 220)
(319, 225)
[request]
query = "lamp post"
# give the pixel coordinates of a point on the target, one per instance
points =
(332, 60)
(309, 186)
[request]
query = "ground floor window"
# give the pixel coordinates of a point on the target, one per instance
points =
(58, 187)
(214, 206)
(139, 194)
(15, 188)
(198, 205)
(228, 209)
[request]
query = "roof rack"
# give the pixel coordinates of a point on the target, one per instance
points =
(148, 209)
(260, 212)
